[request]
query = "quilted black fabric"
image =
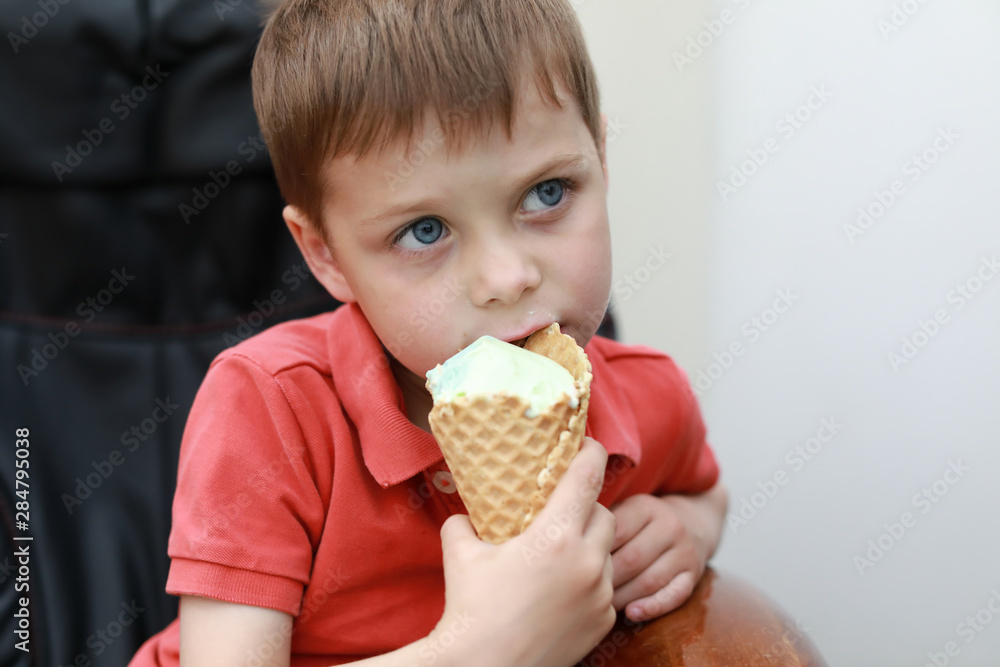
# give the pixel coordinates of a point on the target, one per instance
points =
(140, 234)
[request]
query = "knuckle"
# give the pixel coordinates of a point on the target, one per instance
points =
(592, 564)
(628, 558)
(610, 515)
(673, 527)
(659, 583)
(607, 515)
(631, 502)
(608, 621)
(607, 592)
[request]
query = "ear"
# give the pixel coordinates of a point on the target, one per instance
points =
(604, 147)
(318, 255)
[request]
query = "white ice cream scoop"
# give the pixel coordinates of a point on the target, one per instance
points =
(491, 367)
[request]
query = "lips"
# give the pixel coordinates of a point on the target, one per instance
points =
(525, 333)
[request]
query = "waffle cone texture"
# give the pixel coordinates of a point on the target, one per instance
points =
(506, 464)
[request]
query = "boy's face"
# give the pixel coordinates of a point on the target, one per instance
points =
(500, 238)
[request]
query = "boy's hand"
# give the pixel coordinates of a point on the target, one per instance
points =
(544, 597)
(661, 547)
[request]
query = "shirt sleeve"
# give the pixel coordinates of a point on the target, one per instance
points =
(694, 468)
(247, 513)
(676, 456)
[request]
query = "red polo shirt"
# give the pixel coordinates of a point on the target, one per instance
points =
(303, 487)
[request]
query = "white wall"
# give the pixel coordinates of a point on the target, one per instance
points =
(904, 424)
(659, 128)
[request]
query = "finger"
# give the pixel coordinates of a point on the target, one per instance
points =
(608, 574)
(656, 575)
(600, 529)
(576, 493)
(640, 553)
(632, 516)
(665, 600)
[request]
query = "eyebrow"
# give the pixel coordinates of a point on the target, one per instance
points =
(573, 161)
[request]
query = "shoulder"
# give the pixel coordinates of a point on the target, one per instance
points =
(646, 390)
(645, 387)
(637, 367)
(279, 379)
(267, 399)
(292, 344)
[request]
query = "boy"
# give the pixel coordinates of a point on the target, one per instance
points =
(443, 162)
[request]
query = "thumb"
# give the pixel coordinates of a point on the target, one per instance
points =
(456, 532)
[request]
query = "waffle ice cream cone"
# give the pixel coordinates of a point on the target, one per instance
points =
(507, 457)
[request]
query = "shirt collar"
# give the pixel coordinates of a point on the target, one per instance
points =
(610, 419)
(393, 448)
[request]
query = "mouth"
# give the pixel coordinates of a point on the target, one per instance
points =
(534, 328)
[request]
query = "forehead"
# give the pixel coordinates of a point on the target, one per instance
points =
(410, 165)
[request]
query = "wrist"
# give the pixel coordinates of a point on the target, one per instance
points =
(452, 643)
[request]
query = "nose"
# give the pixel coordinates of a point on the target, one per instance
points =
(502, 271)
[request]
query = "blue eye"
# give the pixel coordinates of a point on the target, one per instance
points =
(421, 233)
(548, 193)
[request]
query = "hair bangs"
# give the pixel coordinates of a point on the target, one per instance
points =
(356, 77)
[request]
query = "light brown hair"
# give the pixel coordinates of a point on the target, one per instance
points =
(346, 77)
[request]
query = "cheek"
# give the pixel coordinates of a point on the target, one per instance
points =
(418, 324)
(585, 262)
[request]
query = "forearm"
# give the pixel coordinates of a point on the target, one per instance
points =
(215, 632)
(704, 515)
(429, 650)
